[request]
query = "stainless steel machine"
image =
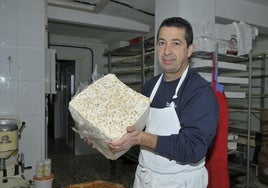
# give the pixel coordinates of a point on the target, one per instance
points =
(11, 163)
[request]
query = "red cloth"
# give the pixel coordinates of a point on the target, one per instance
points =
(217, 158)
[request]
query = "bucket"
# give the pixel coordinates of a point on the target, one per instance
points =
(45, 182)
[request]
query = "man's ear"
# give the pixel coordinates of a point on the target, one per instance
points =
(191, 49)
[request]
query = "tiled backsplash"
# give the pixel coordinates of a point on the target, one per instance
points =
(22, 60)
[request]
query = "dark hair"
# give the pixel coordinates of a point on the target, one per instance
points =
(181, 24)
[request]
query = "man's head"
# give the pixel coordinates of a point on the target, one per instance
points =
(174, 46)
(180, 23)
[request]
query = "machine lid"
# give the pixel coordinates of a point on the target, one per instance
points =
(8, 125)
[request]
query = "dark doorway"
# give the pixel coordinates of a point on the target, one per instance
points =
(60, 120)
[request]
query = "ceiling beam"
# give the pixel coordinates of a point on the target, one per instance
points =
(66, 15)
(72, 5)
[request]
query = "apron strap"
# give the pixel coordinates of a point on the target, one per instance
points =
(177, 88)
(183, 76)
(156, 87)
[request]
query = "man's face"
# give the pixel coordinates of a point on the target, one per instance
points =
(172, 51)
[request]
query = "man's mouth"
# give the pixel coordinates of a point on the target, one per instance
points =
(168, 60)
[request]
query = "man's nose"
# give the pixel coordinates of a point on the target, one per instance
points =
(167, 49)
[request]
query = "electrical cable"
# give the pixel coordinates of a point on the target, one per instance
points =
(127, 5)
(86, 3)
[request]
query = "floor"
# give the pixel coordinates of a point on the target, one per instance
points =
(70, 169)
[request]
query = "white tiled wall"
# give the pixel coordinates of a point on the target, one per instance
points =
(22, 49)
(30, 67)
(9, 27)
(29, 22)
(8, 99)
(30, 97)
(8, 61)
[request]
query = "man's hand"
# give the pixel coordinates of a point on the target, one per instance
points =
(131, 138)
(88, 142)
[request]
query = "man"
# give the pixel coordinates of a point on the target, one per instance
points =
(183, 117)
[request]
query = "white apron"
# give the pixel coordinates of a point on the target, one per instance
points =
(155, 171)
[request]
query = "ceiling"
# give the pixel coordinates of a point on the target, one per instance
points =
(141, 11)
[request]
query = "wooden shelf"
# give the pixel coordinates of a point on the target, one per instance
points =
(130, 60)
(124, 48)
(132, 63)
(132, 71)
(225, 79)
(202, 63)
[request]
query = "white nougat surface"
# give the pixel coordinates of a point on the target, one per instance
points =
(104, 109)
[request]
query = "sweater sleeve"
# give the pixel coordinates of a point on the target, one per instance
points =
(198, 120)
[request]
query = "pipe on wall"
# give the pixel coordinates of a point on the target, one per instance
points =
(80, 47)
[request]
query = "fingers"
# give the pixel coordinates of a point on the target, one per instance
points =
(88, 142)
(119, 145)
(116, 147)
(127, 141)
(131, 129)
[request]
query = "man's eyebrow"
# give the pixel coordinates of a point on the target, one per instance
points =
(176, 40)
(173, 40)
(161, 39)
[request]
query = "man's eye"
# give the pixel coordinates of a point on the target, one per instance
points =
(161, 43)
(176, 44)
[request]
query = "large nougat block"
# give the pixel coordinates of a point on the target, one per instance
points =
(104, 109)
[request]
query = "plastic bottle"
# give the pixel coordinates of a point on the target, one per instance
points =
(47, 167)
(40, 169)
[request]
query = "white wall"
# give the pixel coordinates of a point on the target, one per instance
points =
(22, 38)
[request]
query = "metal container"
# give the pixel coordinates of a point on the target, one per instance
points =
(8, 137)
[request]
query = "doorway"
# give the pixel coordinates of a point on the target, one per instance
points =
(60, 120)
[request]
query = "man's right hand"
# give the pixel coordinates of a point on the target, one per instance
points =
(88, 142)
